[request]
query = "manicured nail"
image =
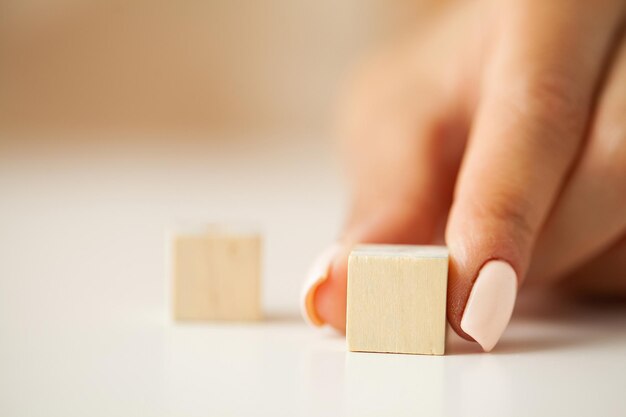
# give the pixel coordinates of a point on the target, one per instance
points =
(490, 304)
(316, 275)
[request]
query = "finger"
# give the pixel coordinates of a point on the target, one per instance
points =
(590, 214)
(535, 102)
(405, 203)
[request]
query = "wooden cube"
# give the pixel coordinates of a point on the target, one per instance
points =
(397, 299)
(217, 276)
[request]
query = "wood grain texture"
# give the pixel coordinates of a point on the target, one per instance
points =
(397, 299)
(217, 277)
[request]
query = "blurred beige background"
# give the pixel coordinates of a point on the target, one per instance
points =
(214, 65)
(120, 119)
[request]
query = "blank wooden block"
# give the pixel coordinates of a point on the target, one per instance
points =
(217, 276)
(397, 299)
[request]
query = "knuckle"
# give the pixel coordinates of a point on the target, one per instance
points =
(549, 110)
(551, 94)
(545, 111)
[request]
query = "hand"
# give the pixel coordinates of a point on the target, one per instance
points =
(499, 128)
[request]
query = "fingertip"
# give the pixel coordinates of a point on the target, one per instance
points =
(488, 258)
(484, 315)
(316, 276)
(323, 296)
(330, 297)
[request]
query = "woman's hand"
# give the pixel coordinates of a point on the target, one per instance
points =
(501, 129)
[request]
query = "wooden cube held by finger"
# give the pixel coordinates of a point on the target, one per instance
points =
(217, 276)
(397, 299)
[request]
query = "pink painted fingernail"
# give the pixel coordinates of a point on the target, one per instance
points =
(317, 274)
(490, 304)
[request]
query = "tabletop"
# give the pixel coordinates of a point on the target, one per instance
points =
(86, 329)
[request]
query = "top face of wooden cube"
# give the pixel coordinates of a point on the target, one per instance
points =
(397, 299)
(217, 276)
(406, 251)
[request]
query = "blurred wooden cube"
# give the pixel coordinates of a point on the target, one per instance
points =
(397, 299)
(217, 276)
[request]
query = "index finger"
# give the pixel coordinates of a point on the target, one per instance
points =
(535, 102)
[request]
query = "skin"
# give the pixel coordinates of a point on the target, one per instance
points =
(500, 129)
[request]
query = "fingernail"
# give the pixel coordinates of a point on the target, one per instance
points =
(490, 304)
(317, 274)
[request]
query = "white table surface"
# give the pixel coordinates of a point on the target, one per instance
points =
(85, 328)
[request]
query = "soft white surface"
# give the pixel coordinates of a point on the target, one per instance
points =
(84, 302)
